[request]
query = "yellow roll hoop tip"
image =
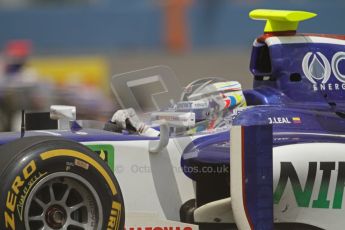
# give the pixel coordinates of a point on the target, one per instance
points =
(281, 20)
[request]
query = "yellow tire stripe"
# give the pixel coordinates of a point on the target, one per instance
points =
(72, 153)
(117, 206)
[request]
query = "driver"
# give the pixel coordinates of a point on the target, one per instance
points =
(212, 101)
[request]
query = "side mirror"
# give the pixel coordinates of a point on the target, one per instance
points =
(63, 114)
(165, 121)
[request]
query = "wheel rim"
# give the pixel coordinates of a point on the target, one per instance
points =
(63, 200)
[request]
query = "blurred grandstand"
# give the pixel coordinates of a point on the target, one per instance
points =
(86, 41)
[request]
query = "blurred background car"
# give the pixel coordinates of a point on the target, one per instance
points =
(65, 51)
(36, 86)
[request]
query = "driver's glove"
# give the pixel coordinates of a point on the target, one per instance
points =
(129, 120)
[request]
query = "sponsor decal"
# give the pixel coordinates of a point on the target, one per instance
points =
(81, 164)
(303, 194)
(318, 69)
(115, 216)
(106, 153)
(158, 228)
(281, 138)
(189, 105)
(13, 198)
(336, 60)
(81, 133)
(20, 206)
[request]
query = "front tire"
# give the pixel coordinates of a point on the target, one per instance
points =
(53, 183)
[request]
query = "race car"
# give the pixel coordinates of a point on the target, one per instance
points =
(206, 156)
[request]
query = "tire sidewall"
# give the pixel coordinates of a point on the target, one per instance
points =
(32, 165)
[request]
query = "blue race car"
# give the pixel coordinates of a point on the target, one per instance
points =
(205, 156)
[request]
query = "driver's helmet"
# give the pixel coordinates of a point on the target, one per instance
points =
(212, 100)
